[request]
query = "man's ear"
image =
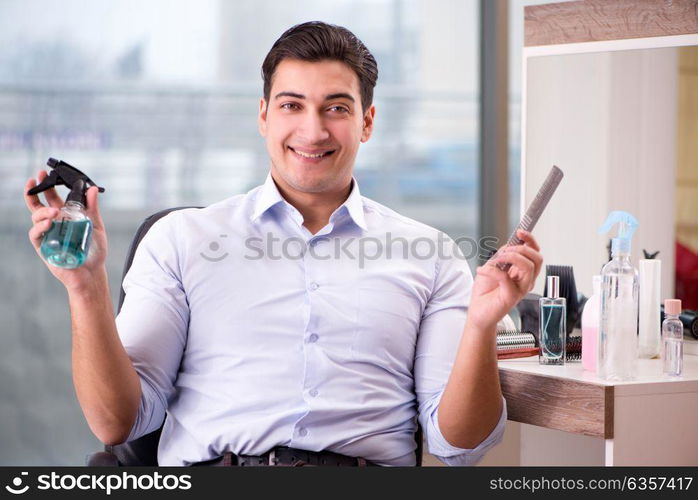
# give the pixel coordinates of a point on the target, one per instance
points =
(262, 117)
(369, 116)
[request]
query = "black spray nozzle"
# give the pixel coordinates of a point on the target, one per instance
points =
(66, 175)
(649, 255)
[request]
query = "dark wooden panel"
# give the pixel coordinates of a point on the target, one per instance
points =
(556, 403)
(596, 20)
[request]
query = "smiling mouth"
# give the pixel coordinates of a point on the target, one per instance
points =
(310, 156)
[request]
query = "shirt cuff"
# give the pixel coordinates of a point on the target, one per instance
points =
(452, 455)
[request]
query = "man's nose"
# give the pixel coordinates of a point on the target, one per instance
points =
(312, 128)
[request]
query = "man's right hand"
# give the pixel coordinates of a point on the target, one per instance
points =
(42, 216)
(106, 383)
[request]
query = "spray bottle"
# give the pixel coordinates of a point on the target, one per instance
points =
(67, 241)
(618, 344)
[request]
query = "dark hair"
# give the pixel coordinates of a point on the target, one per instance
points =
(317, 41)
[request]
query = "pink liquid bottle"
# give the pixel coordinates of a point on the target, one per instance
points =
(590, 327)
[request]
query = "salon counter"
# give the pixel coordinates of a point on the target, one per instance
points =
(652, 420)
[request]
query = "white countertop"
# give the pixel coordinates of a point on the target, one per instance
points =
(649, 380)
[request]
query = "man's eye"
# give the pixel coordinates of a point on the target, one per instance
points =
(339, 109)
(289, 105)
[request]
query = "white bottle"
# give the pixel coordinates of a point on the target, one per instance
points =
(590, 326)
(650, 326)
(617, 350)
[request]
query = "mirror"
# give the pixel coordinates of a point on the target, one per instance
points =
(623, 126)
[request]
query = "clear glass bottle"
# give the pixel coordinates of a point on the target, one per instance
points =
(553, 332)
(672, 338)
(67, 241)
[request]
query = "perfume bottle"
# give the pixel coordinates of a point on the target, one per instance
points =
(553, 333)
(672, 338)
(67, 242)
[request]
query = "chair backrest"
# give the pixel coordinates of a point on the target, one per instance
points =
(144, 450)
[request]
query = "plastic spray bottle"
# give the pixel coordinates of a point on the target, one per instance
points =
(67, 242)
(618, 343)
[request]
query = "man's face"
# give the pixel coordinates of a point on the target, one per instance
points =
(313, 124)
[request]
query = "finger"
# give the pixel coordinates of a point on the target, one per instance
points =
(93, 207)
(495, 273)
(529, 253)
(44, 213)
(51, 195)
(522, 268)
(528, 239)
(501, 277)
(496, 255)
(37, 231)
(32, 200)
(500, 250)
(516, 258)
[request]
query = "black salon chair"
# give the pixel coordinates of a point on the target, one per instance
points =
(144, 450)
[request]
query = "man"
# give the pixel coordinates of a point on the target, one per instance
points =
(251, 352)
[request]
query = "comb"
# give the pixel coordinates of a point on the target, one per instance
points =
(535, 209)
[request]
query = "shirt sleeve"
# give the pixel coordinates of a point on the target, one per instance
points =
(153, 322)
(440, 332)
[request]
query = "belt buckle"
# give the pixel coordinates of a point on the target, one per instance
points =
(272, 457)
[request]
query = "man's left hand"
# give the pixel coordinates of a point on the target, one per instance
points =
(496, 292)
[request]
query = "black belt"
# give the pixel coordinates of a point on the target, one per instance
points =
(286, 457)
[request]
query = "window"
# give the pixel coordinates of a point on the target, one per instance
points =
(157, 102)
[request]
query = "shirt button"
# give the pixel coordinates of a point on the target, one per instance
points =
(303, 432)
(314, 286)
(313, 338)
(313, 392)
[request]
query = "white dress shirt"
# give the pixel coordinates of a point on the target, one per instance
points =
(249, 332)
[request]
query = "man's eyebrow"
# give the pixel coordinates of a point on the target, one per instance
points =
(289, 94)
(340, 95)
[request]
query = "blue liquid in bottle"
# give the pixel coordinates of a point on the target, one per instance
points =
(67, 242)
(553, 334)
(553, 331)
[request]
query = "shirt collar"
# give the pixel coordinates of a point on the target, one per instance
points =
(269, 196)
(355, 205)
